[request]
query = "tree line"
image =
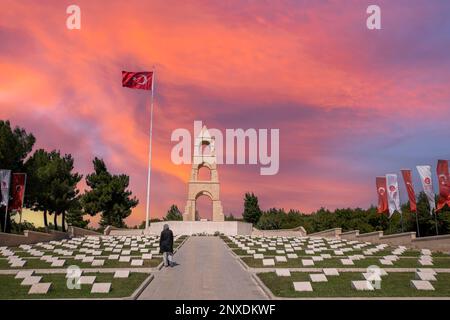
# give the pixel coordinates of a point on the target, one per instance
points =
(52, 182)
(364, 220)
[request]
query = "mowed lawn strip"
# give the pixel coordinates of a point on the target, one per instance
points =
(35, 263)
(336, 263)
(11, 288)
(392, 285)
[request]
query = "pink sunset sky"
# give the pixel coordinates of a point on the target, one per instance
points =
(350, 103)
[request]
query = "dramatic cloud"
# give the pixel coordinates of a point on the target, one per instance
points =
(350, 103)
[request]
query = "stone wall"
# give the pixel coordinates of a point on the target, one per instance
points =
(58, 235)
(330, 233)
(350, 235)
(370, 236)
(125, 232)
(30, 237)
(407, 239)
(435, 243)
(80, 232)
(295, 232)
(398, 239)
(198, 227)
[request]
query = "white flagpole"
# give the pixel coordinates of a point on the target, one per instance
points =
(147, 209)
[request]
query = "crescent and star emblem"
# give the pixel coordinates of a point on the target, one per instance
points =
(141, 79)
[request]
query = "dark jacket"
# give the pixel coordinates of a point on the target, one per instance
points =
(166, 241)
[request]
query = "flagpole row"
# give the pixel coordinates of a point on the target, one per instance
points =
(147, 209)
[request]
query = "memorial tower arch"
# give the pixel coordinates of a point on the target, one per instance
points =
(204, 157)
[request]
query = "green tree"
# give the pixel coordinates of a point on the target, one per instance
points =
(272, 219)
(252, 212)
(15, 145)
(231, 217)
(108, 195)
(173, 214)
(64, 195)
(52, 185)
(142, 224)
(75, 216)
(37, 195)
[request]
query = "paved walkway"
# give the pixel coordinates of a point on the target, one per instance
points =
(206, 270)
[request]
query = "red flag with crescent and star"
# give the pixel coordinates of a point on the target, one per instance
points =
(410, 189)
(382, 195)
(17, 191)
(444, 184)
(137, 80)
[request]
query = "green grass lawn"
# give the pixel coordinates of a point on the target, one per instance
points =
(34, 263)
(20, 252)
(336, 263)
(11, 288)
(392, 285)
(409, 259)
(302, 253)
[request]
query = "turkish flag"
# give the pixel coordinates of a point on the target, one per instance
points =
(444, 185)
(137, 80)
(17, 191)
(407, 178)
(382, 195)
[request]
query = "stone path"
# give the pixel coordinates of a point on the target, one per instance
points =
(206, 270)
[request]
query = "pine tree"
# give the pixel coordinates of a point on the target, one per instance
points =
(173, 214)
(37, 195)
(252, 212)
(108, 195)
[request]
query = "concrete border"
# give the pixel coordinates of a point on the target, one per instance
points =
(263, 287)
(141, 288)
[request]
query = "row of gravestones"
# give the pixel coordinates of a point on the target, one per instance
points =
(90, 246)
(37, 287)
(422, 276)
(422, 281)
(249, 244)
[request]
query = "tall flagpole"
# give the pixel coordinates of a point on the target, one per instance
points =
(147, 209)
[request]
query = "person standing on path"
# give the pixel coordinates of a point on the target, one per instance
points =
(166, 245)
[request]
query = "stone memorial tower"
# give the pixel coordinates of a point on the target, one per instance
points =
(196, 187)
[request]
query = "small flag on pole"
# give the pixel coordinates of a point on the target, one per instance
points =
(444, 186)
(427, 184)
(17, 191)
(137, 80)
(382, 195)
(410, 189)
(5, 178)
(393, 195)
